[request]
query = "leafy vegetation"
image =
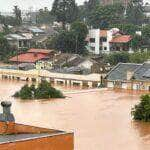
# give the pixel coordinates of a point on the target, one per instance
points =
(17, 13)
(124, 57)
(43, 91)
(65, 11)
(135, 12)
(142, 110)
(72, 41)
(5, 50)
(44, 16)
(102, 16)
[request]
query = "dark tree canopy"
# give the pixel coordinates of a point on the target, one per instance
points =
(141, 111)
(17, 13)
(43, 91)
(44, 16)
(65, 11)
(135, 12)
(103, 16)
(5, 50)
(72, 41)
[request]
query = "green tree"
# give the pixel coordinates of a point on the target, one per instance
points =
(44, 16)
(4, 48)
(103, 16)
(80, 31)
(139, 57)
(137, 42)
(129, 29)
(65, 11)
(72, 41)
(17, 13)
(141, 111)
(115, 58)
(146, 35)
(43, 91)
(135, 12)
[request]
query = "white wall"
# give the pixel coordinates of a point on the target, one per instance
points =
(94, 33)
(86, 64)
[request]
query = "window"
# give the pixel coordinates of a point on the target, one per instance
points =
(92, 48)
(103, 39)
(20, 43)
(100, 48)
(105, 48)
(92, 40)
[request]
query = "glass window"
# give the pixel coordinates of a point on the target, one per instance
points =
(92, 40)
(105, 48)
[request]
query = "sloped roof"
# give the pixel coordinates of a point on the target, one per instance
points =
(119, 72)
(15, 37)
(42, 51)
(36, 30)
(28, 58)
(143, 72)
(121, 39)
(103, 33)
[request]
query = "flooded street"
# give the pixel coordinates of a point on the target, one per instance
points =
(100, 119)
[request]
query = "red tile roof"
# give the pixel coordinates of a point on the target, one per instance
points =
(121, 39)
(103, 33)
(43, 51)
(28, 58)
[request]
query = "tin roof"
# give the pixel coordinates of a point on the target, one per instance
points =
(119, 72)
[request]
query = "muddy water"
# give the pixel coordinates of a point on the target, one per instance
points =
(101, 120)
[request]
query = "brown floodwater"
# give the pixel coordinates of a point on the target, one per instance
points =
(100, 119)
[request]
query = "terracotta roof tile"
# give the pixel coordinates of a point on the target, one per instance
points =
(43, 51)
(28, 58)
(103, 33)
(121, 39)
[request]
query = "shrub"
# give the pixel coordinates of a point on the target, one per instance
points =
(43, 91)
(142, 110)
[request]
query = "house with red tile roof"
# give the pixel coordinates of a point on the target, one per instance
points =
(33, 55)
(106, 41)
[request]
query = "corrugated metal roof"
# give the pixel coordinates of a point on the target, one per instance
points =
(119, 72)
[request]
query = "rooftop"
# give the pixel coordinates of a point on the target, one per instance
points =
(43, 51)
(24, 137)
(16, 37)
(36, 30)
(119, 72)
(18, 132)
(143, 72)
(28, 57)
(121, 39)
(103, 33)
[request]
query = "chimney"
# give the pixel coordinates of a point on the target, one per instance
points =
(129, 75)
(7, 120)
(6, 115)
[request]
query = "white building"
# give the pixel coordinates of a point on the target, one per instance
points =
(105, 41)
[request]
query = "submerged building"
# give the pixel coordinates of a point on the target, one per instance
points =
(14, 136)
(129, 76)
